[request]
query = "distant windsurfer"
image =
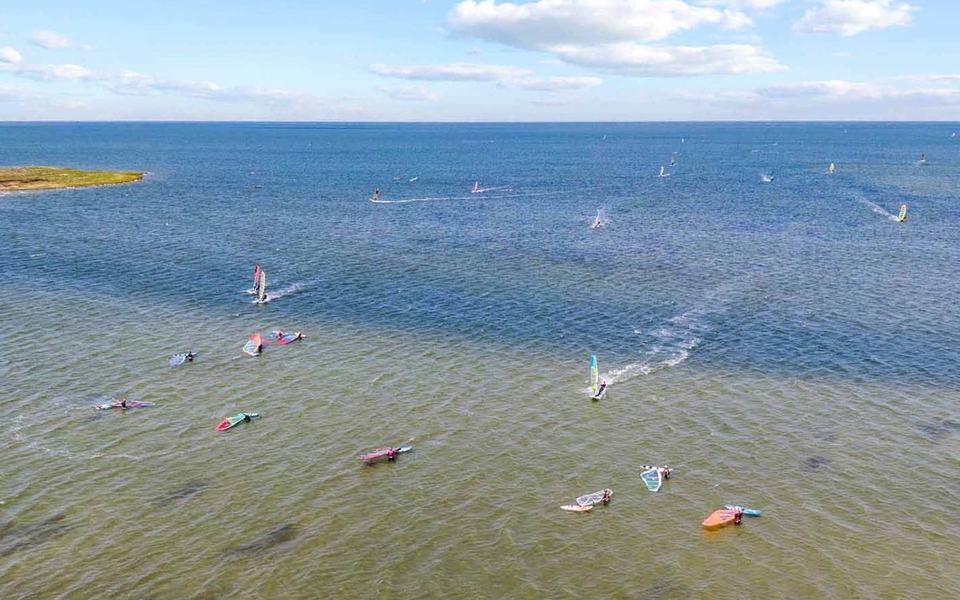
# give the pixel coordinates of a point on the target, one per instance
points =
(123, 403)
(376, 195)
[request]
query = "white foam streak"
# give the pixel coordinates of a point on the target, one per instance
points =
(880, 211)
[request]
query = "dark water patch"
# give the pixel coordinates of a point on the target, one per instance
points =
(825, 435)
(15, 538)
(279, 535)
(184, 492)
(815, 462)
(940, 428)
(663, 589)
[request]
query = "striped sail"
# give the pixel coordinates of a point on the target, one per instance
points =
(594, 375)
(262, 287)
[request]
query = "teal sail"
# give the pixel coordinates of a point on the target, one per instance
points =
(594, 375)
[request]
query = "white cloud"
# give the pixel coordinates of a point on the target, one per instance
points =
(9, 54)
(551, 84)
(449, 72)
(545, 22)
(51, 40)
(834, 89)
(607, 34)
(506, 77)
(850, 17)
(742, 4)
(54, 72)
(927, 88)
(410, 93)
(627, 58)
(131, 83)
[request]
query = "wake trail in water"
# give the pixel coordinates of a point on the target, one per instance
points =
(879, 210)
(473, 196)
(671, 343)
(287, 291)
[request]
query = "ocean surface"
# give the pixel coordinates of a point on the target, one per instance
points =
(785, 345)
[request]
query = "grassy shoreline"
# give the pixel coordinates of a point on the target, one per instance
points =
(13, 179)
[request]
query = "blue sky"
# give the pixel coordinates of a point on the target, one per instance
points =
(480, 60)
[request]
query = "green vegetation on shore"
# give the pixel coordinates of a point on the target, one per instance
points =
(49, 178)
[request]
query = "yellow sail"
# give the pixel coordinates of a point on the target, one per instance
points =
(594, 375)
(903, 213)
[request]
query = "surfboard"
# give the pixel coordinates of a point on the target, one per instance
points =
(130, 404)
(750, 512)
(576, 508)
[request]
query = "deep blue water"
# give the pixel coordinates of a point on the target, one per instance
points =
(798, 277)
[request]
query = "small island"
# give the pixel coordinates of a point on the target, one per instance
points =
(51, 178)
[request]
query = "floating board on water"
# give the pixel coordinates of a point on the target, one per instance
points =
(229, 422)
(721, 518)
(653, 477)
(282, 339)
(254, 345)
(576, 508)
(386, 453)
(130, 404)
(178, 359)
(594, 498)
(749, 512)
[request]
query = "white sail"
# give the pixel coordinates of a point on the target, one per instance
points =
(831, 169)
(262, 288)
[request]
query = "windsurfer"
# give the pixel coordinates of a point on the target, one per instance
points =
(603, 386)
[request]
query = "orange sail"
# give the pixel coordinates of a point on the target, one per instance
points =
(722, 518)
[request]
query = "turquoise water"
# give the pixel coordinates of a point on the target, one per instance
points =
(785, 345)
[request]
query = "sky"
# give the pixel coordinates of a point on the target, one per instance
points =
(479, 60)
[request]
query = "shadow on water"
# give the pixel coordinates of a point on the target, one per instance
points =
(939, 429)
(279, 535)
(184, 492)
(815, 462)
(26, 536)
(663, 589)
